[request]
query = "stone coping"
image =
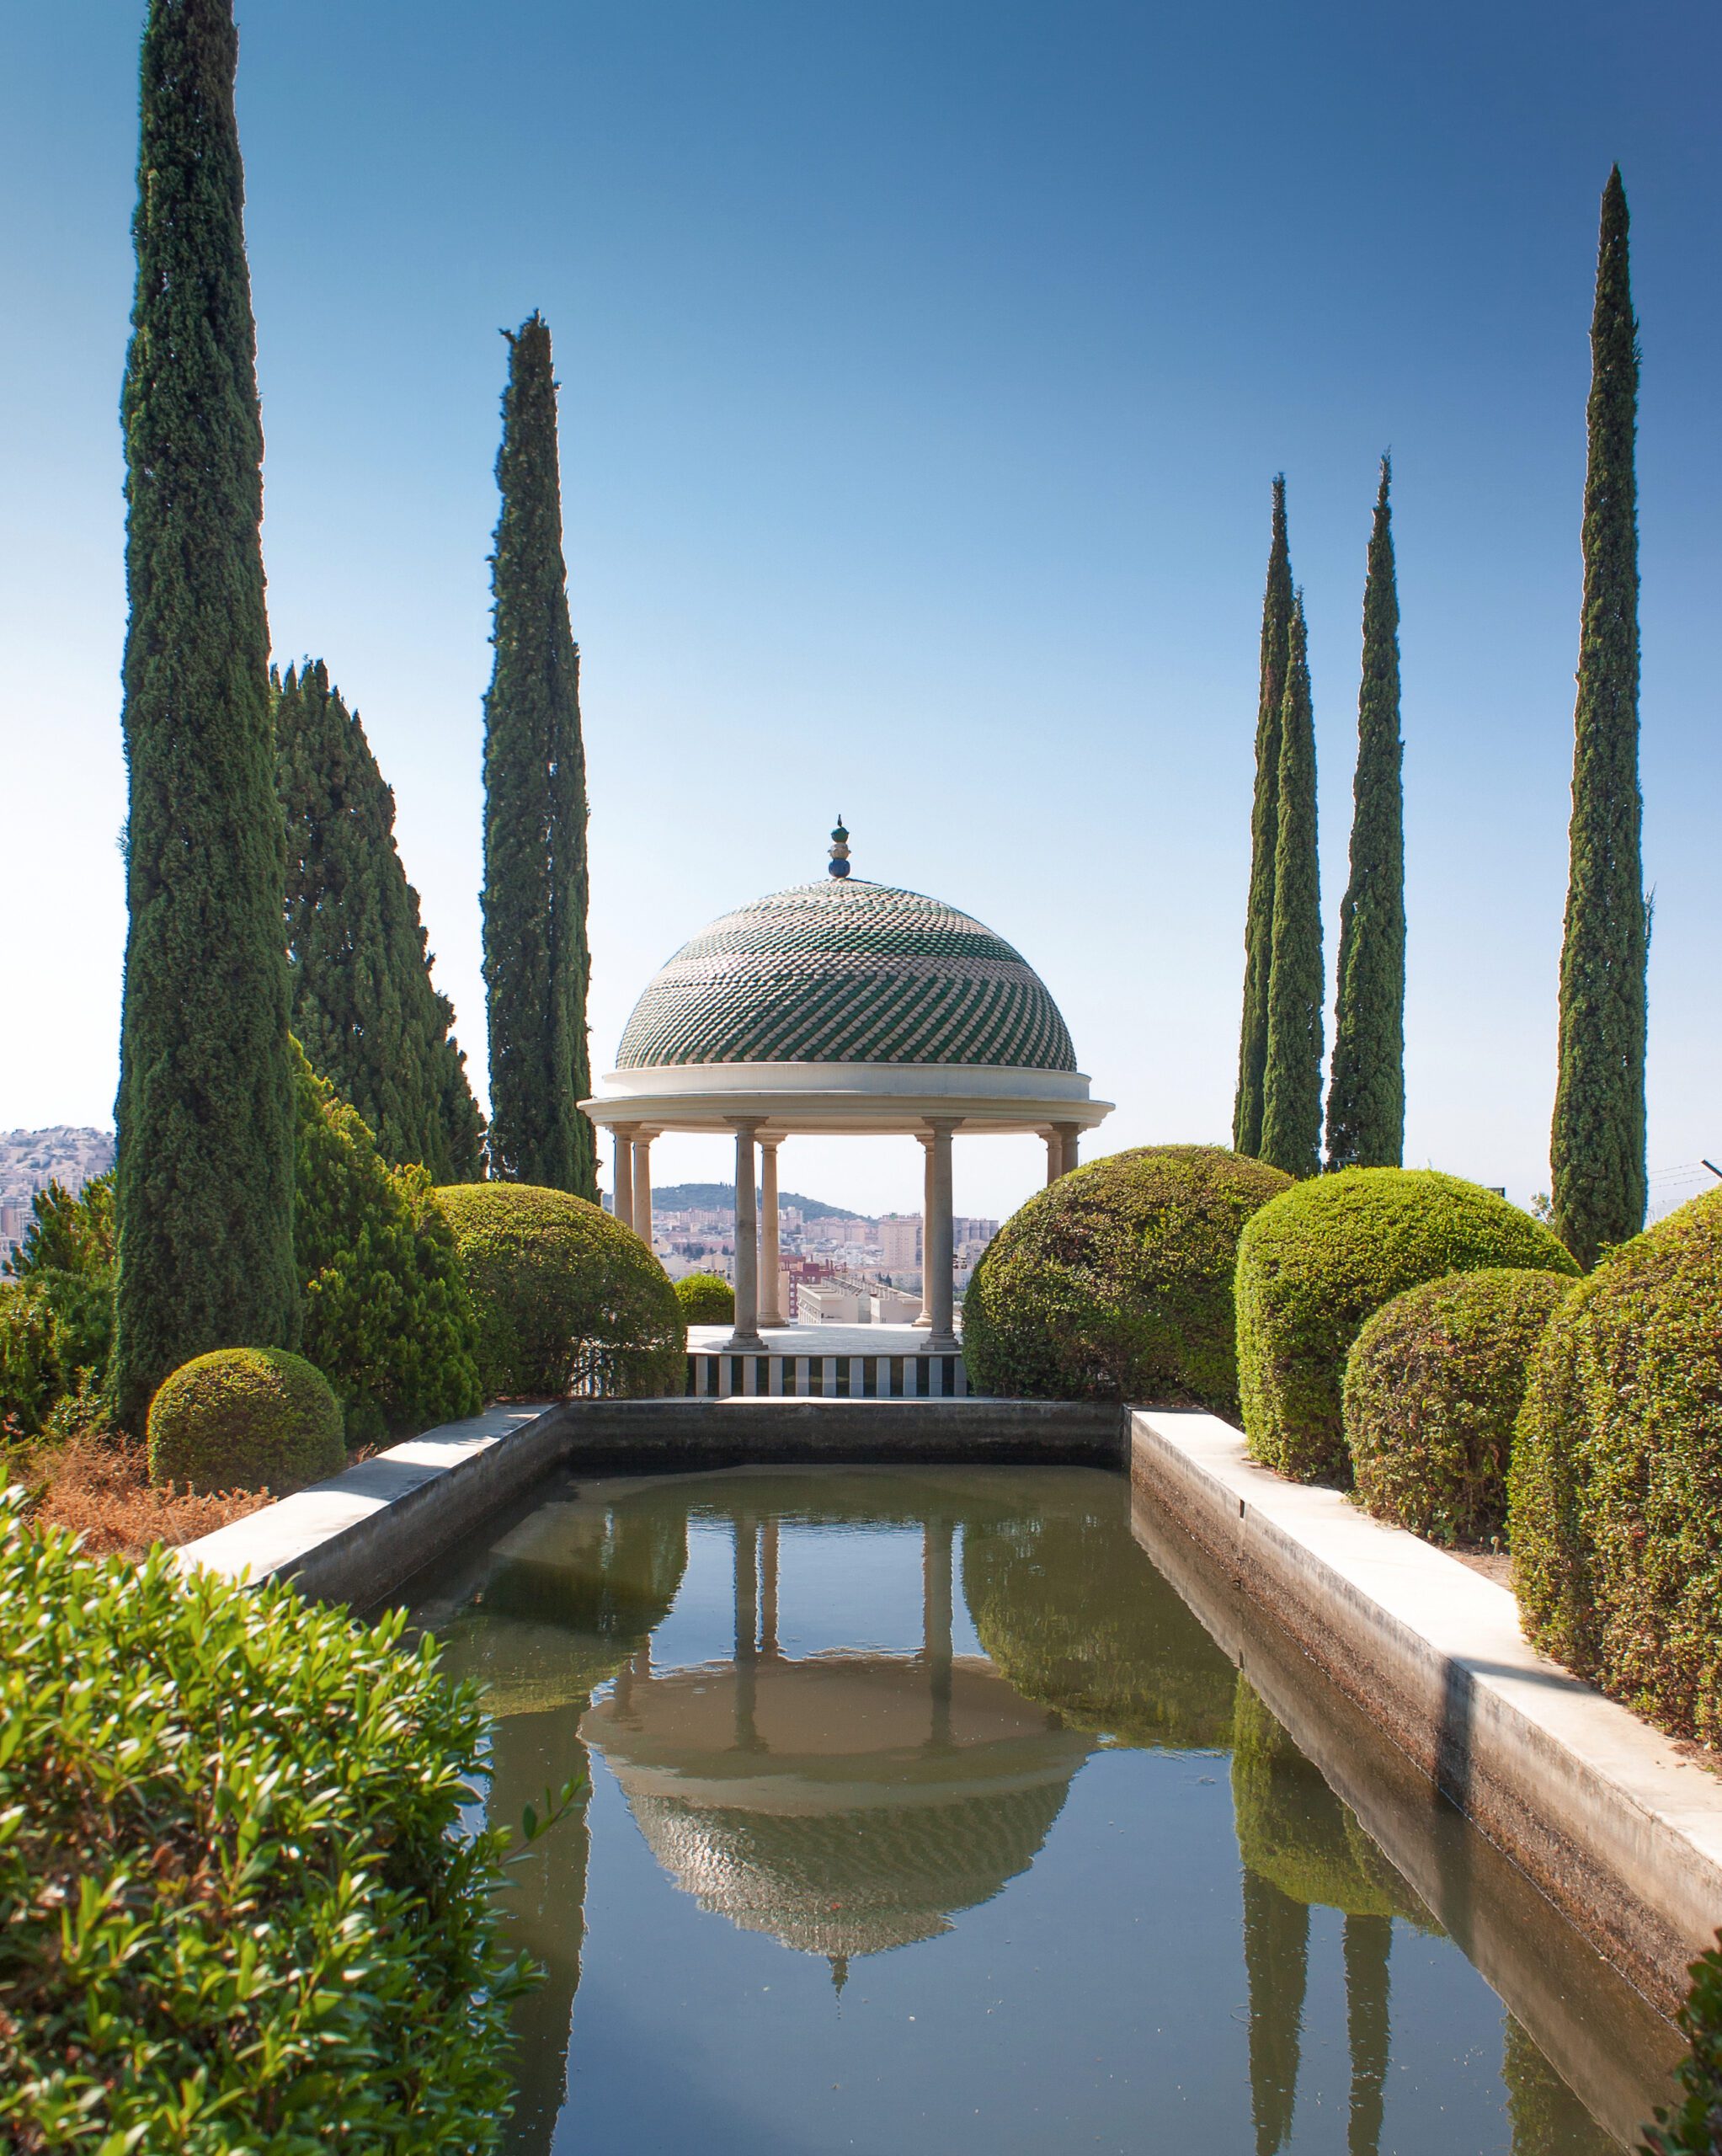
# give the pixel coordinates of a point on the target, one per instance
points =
(1619, 1828)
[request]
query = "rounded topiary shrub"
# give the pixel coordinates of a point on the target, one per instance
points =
(1326, 1255)
(1433, 1386)
(1616, 1515)
(245, 1418)
(706, 1299)
(284, 1934)
(566, 1298)
(1115, 1283)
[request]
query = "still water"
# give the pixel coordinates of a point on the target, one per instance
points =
(970, 1810)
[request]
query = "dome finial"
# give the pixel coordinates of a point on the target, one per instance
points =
(838, 863)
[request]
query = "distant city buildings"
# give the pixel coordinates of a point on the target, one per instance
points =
(835, 1269)
(30, 1159)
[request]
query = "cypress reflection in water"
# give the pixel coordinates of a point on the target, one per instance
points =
(550, 1624)
(813, 1753)
(1301, 1849)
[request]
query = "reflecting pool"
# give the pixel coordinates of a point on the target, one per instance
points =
(972, 1810)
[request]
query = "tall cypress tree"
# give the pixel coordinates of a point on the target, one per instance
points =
(536, 960)
(1264, 833)
(1290, 1109)
(363, 1005)
(205, 1185)
(1597, 1146)
(1366, 1099)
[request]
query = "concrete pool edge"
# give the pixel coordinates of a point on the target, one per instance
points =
(1619, 1830)
(362, 1534)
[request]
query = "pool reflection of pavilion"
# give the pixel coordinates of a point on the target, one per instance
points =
(843, 1803)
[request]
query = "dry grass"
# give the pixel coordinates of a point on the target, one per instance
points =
(98, 1485)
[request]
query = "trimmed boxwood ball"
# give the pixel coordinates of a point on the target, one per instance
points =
(1434, 1384)
(1115, 1283)
(1616, 1513)
(245, 1418)
(1326, 1255)
(566, 1296)
(706, 1299)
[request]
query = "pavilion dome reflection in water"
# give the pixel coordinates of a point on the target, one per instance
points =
(841, 1803)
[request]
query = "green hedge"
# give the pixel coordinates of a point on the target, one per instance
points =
(245, 1418)
(1693, 2127)
(1617, 1476)
(287, 1944)
(706, 1299)
(1433, 1386)
(566, 1298)
(56, 1311)
(1115, 1283)
(386, 1315)
(1318, 1260)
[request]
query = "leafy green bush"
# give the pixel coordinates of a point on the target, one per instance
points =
(566, 1298)
(1616, 1487)
(287, 1944)
(1115, 1283)
(706, 1299)
(1325, 1256)
(56, 1311)
(1434, 1384)
(1693, 2127)
(245, 1418)
(386, 1315)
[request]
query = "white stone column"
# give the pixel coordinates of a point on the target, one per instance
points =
(623, 1135)
(1072, 1134)
(745, 1338)
(1055, 1156)
(924, 1321)
(642, 1187)
(769, 1313)
(936, 1246)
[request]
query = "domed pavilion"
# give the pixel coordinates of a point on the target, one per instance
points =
(841, 1006)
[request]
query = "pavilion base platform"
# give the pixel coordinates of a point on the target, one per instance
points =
(825, 1362)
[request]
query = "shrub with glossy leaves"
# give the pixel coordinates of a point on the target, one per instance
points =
(1617, 1476)
(706, 1299)
(1693, 2127)
(245, 1418)
(386, 1315)
(568, 1300)
(1326, 1255)
(1115, 1283)
(1434, 1384)
(286, 1943)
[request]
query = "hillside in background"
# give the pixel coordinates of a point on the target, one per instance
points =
(720, 1196)
(28, 1159)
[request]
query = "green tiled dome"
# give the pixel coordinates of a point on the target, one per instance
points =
(847, 972)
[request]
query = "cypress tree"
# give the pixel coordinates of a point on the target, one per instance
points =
(1597, 1146)
(204, 1176)
(363, 1004)
(1264, 835)
(1290, 1109)
(536, 960)
(1366, 1099)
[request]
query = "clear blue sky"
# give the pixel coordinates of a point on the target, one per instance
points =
(925, 368)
